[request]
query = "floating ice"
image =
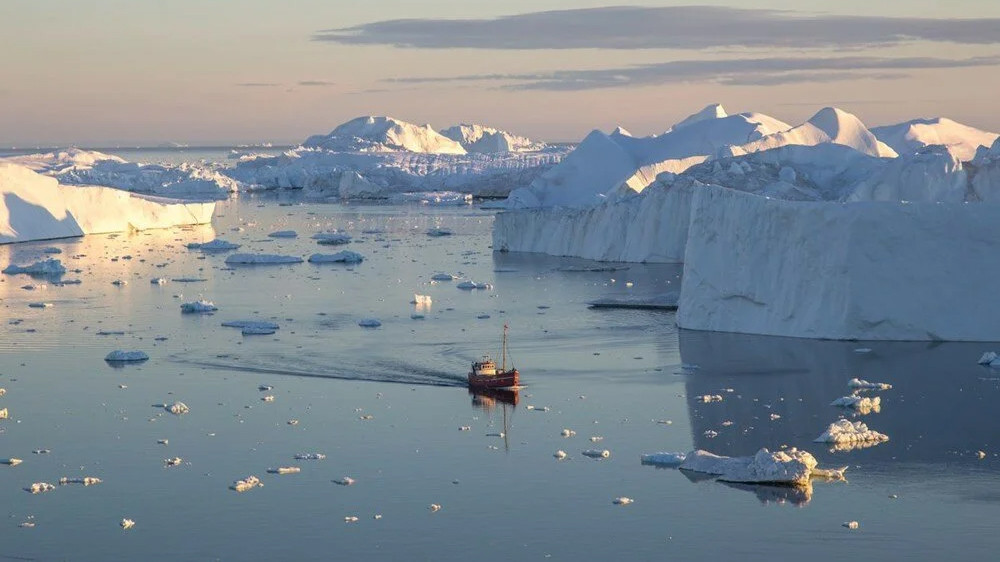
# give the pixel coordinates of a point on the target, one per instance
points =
(283, 234)
(261, 259)
(49, 266)
(177, 408)
(332, 238)
(597, 453)
(217, 245)
(285, 470)
(433, 198)
(310, 456)
(790, 466)
(119, 282)
(248, 483)
(863, 404)
(472, 285)
(369, 323)
(251, 324)
(86, 481)
(40, 488)
(560, 455)
(623, 501)
(198, 307)
(439, 232)
(344, 256)
(127, 524)
(351, 519)
(268, 398)
(345, 481)
(443, 277)
(40, 304)
(860, 383)
(11, 461)
(158, 281)
(173, 462)
(424, 300)
(851, 524)
(119, 356)
(709, 398)
(847, 432)
(666, 301)
(664, 459)
(990, 358)
(567, 433)
(434, 507)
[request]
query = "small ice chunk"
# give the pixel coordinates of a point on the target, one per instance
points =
(439, 232)
(560, 455)
(119, 356)
(293, 422)
(851, 524)
(345, 481)
(472, 285)
(40, 305)
(597, 453)
(86, 481)
(177, 408)
(332, 238)
(424, 300)
(708, 398)
(174, 461)
(846, 431)
(244, 324)
(217, 245)
(790, 466)
(162, 441)
(443, 277)
(980, 455)
(343, 256)
(248, 483)
(369, 323)
(49, 266)
(40, 488)
(623, 501)
(567, 433)
(351, 519)
(11, 461)
(198, 307)
(465, 428)
(861, 383)
(257, 331)
(596, 438)
(310, 456)
(4, 414)
(663, 459)
(261, 259)
(158, 281)
(863, 404)
(3, 391)
(283, 234)
(434, 507)
(119, 282)
(127, 523)
(285, 470)
(268, 398)
(988, 357)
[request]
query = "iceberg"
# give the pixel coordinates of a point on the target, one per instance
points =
(217, 245)
(790, 467)
(828, 125)
(198, 307)
(480, 138)
(848, 432)
(119, 356)
(384, 134)
(331, 238)
(261, 259)
(36, 207)
(345, 256)
(49, 266)
(909, 137)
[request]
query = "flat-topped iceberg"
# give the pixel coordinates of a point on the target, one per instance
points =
(250, 324)
(36, 207)
(331, 238)
(261, 259)
(345, 256)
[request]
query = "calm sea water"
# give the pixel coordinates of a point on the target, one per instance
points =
(619, 375)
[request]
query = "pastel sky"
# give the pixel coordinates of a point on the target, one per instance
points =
(129, 72)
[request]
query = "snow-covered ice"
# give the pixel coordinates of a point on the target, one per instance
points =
(847, 432)
(198, 307)
(790, 466)
(863, 384)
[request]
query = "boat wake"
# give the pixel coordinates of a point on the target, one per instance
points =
(373, 371)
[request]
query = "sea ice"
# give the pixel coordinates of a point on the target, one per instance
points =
(369, 323)
(86, 481)
(623, 501)
(664, 459)
(597, 453)
(345, 481)
(217, 245)
(862, 404)
(119, 356)
(285, 470)
(261, 259)
(863, 384)
(443, 277)
(11, 461)
(158, 281)
(50, 266)
(173, 462)
(40, 304)
(40, 488)
(790, 466)
(283, 234)
(848, 432)
(177, 408)
(424, 300)
(4, 414)
(248, 483)
(472, 285)
(344, 256)
(432, 198)
(309, 456)
(198, 307)
(439, 232)
(261, 324)
(560, 455)
(127, 524)
(332, 238)
(258, 331)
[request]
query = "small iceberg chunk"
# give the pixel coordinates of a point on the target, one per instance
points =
(369, 323)
(559, 455)
(863, 384)
(86, 481)
(40, 488)
(443, 277)
(345, 481)
(217, 245)
(863, 404)
(127, 524)
(173, 462)
(248, 483)
(472, 285)
(11, 461)
(40, 305)
(258, 331)
(284, 234)
(344, 256)
(422, 300)
(848, 432)
(256, 324)
(791, 466)
(198, 307)
(158, 281)
(438, 232)
(309, 456)
(119, 356)
(991, 359)
(663, 459)
(622, 501)
(261, 259)
(708, 398)
(285, 470)
(4, 414)
(597, 453)
(177, 408)
(332, 238)
(49, 266)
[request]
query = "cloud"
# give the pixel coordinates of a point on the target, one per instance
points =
(258, 85)
(317, 83)
(676, 27)
(758, 71)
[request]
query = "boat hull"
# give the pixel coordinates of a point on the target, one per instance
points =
(503, 379)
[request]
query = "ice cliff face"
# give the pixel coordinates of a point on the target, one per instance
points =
(384, 134)
(480, 138)
(37, 207)
(911, 136)
(866, 270)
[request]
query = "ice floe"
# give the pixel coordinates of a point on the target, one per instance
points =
(791, 466)
(252, 324)
(198, 307)
(119, 356)
(261, 259)
(284, 234)
(177, 408)
(344, 256)
(848, 432)
(332, 238)
(622, 501)
(50, 266)
(85, 481)
(248, 483)
(472, 285)
(11, 461)
(863, 404)
(309, 456)
(217, 245)
(369, 323)
(40, 488)
(285, 470)
(865, 385)
(597, 453)
(127, 524)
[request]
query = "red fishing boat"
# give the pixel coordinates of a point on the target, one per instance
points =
(485, 374)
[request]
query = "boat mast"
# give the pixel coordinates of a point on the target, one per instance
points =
(503, 349)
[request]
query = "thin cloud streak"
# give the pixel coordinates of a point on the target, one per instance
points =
(676, 27)
(258, 85)
(316, 83)
(759, 71)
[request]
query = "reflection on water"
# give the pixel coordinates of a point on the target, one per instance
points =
(941, 404)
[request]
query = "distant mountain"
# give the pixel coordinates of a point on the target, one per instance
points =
(910, 136)
(384, 134)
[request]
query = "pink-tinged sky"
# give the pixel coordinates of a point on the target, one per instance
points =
(109, 72)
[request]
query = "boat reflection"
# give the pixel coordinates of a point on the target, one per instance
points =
(487, 399)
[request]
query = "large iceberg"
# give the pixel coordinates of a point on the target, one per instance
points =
(384, 134)
(828, 125)
(480, 138)
(37, 207)
(910, 136)
(86, 167)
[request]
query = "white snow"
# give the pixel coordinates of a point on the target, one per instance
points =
(50, 266)
(123, 356)
(480, 138)
(423, 300)
(790, 466)
(248, 483)
(198, 307)
(910, 136)
(828, 125)
(36, 207)
(261, 259)
(127, 523)
(863, 404)
(847, 432)
(344, 256)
